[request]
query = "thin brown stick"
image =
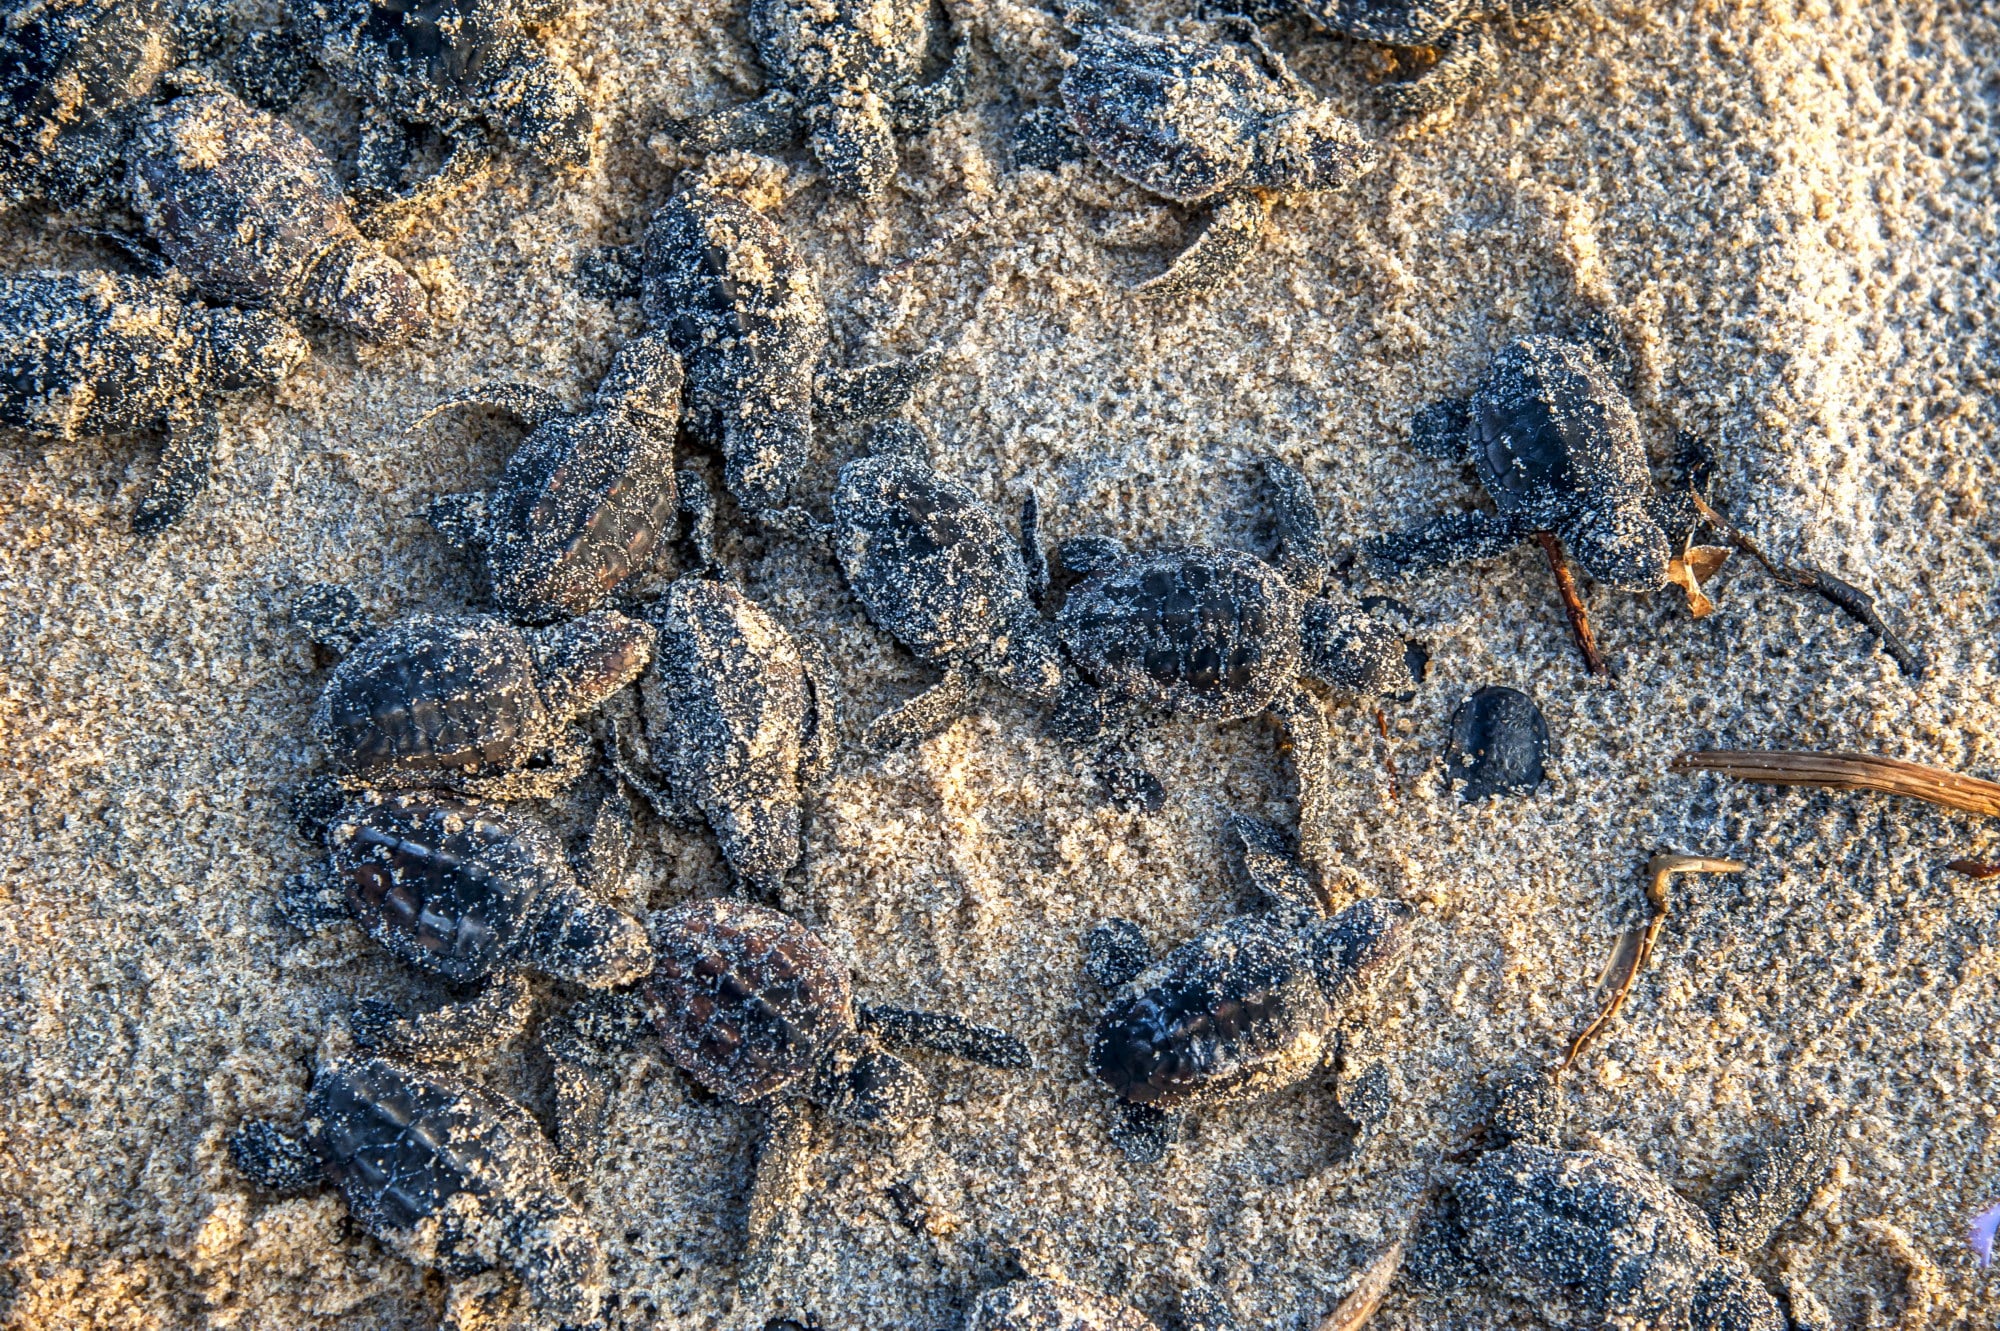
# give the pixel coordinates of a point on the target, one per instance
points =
(1353, 1312)
(1849, 771)
(1658, 870)
(1579, 618)
(1977, 870)
(1388, 751)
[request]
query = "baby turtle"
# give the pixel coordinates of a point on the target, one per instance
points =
(75, 77)
(1221, 635)
(468, 703)
(1050, 1303)
(759, 1011)
(1556, 444)
(1591, 1240)
(1466, 54)
(587, 495)
(455, 65)
(88, 354)
(933, 566)
(1499, 743)
(449, 1175)
(471, 893)
(249, 209)
(1236, 1013)
(744, 311)
(1201, 122)
(739, 724)
(849, 75)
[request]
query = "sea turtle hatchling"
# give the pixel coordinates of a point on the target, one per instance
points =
(448, 1174)
(469, 703)
(90, 354)
(1591, 1240)
(249, 209)
(473, 894)
(1556, 444)
(457, 66)
(587, 495)
(1051, 1303)
(744, 310)
(933, 565)
(75, 78)
(1238, 1012)
(1221, 635)
(850, 75)
(1203, 123)
(739, 724)
(759, 1011)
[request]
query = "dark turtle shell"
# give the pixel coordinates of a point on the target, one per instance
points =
(1045, 1303)
(1176, 116)
(72, 72)
(1551, 433)
(727, 705)
(434, 695)
(454, 1177)
(747, 999)
(744, 312)
(463, 889)
(815, 49)
(1228, 1015)
(95, 353)
(932, 565)
(1197, 632)
(1592, 1241)
(582, 507)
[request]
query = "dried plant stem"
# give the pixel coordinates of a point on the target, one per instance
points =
(1361, 1302)
(1659, 870)
(1977, 870)
(1579, 618)
(1849, 771)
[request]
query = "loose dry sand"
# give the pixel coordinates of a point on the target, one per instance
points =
(1791, 210)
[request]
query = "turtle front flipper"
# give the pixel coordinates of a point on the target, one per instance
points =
(1456, 538)
(924, 715)
(1144, 1133)
(471, 1029)
(1234, 228)
(183, 473)
(921, 106)
(765, 125)
(586, 1046)
(1270, 865)
(870, 392)
(1467, 57)
(784, 1163)
(946, 1033)
(1776, 1189)
(1299, 713)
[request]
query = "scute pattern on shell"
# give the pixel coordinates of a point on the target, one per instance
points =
(435, 694)
(744, 312)
(1593, 1240)
(746, 999)
(1206, 633)
(1046, 1303)
(1228, 1015)
(1551, 432)
(727, 704)
(1175, 116)
(454, 1177)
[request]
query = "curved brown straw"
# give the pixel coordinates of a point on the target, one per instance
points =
(1362, 1301)
(1849, 771)
(1658, 870)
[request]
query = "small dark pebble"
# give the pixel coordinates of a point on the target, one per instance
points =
(1498, 743)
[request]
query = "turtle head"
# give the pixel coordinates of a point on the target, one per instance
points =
(588, 942)
(1621, 546)
(1358, 944)
(549, 115)
(1312, 150)
(255, 349)
(879, 1090)
(1348, 649)
(580, 664)
(853, 139)
(357, 287)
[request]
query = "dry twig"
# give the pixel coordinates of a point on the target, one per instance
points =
(1353, 1312)
(1849, 771)
(1658, 870)
(1579, 618)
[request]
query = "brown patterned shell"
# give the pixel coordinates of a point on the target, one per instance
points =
(747, 999)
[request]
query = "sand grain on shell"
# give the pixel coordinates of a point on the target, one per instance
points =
(1789, 207)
